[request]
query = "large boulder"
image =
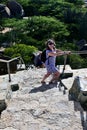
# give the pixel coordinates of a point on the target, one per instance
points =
(4, 11)
(82, 46)
(81, 43)
(15, 8)
(78, 91)
(84, 49)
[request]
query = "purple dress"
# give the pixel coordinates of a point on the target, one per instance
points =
(50, 62)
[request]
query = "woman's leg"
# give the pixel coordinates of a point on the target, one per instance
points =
(56, 76)
(45, 77)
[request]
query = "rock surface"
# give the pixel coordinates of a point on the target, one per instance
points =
(39, 107)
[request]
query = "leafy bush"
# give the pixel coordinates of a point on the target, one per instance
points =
(22, 50)
(76, 61)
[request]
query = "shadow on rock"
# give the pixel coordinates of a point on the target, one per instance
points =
(3, 106)
(43, 87)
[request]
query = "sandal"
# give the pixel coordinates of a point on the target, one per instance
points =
(51, 82)
(43, 82)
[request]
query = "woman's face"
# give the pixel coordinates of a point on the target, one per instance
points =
(51, 46)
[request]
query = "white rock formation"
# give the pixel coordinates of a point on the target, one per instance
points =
(39, 107)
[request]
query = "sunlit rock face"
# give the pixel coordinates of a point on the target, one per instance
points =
(34, 106)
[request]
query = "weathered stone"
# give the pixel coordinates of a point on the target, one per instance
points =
(41, 110)
(14, 87)
(78, 91)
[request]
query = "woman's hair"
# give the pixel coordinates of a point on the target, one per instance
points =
(48, 42)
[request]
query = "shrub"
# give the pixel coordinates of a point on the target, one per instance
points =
(22, 50)
(75, 61)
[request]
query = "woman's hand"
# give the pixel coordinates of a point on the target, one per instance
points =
(63, 53)
(67, 52)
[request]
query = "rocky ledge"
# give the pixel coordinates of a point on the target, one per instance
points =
(32, 106)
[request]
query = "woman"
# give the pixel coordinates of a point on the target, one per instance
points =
(51, 53)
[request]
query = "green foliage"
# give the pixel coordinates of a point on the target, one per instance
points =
(22, 50)
(84, 63)
(16, 24)
(35, 30)
(76, 61)
(63, 20)
(76, 2)
(23, 2)
(3, 1)
(46, 27)
(18, 29)
(60, 60)
(69, 46)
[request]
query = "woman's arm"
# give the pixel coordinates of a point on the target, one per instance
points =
(58, 53)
